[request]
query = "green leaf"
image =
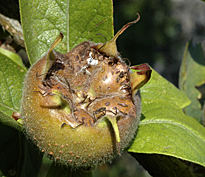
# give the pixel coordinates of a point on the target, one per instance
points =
(42, 21)
(63, 171)
(159, 90)
(12, 74)
(13, 56)
(192, 74)
(165, 129)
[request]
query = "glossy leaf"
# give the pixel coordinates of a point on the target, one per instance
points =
(192, 74)
(42, 21)
(12, 74)
(165, 129)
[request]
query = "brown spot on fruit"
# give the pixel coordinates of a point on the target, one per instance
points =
(82, 104)
(122, 104)
(16, 115)
(107, 103)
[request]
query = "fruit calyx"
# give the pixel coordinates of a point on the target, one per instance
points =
(109, 48)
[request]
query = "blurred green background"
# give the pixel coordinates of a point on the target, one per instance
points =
(160, 36)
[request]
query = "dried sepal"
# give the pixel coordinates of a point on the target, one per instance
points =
(109, 48)
(50, 56)
(140, 76)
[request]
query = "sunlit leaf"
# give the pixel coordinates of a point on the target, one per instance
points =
(78, 20)
(165, 129)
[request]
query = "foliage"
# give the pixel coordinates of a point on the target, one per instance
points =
(192, 75)
(165, 130)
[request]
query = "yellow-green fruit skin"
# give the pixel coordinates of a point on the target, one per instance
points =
(83, 146)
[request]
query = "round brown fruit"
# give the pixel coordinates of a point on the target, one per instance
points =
(81, 108)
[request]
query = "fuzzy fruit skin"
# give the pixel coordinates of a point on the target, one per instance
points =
(88, 144)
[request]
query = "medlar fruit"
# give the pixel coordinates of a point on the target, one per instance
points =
(83, 108)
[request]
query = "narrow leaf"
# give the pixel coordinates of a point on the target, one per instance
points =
(165, 129)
